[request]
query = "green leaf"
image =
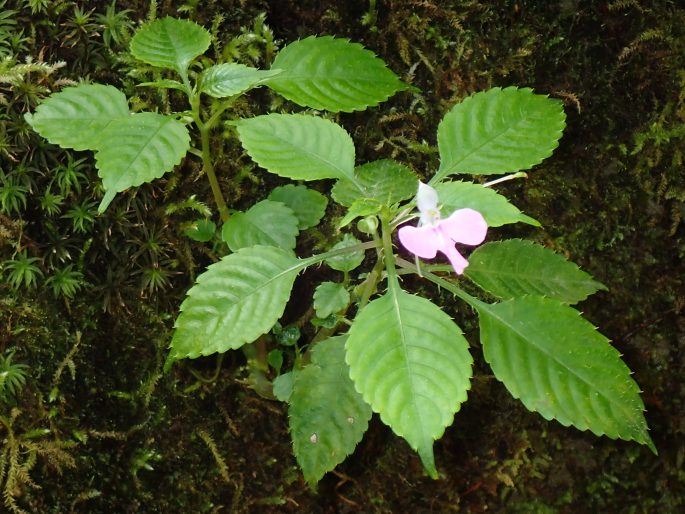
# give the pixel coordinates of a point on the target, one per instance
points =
(275, 359)
(234, 301)
(265, 223)
(348, 261)
(283, 386)
(327, 416)
(170, 43)
(308, 205)
(513, 268)
(385, 181)
(297, 146)
(76, 117)
(333, 74)
(557, 364)
(494, 207)
(201, 230)
(229, 79)
(329, 298)
(499, 131)
(140, 148)
(360, 208)
(411, 363)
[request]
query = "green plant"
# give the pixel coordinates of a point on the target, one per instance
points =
(22, 270)
(12, 376)
(65, 281)
(372, 346)
(116, 25)
(19, 454)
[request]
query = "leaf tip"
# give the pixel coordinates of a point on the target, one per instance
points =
(106, 200)
(428, 459)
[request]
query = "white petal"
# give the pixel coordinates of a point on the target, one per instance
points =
(426, 198)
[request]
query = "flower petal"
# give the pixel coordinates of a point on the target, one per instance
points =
(426, 198)
(456, 259)
(464, 226)
(421, 241)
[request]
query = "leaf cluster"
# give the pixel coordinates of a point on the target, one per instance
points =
(396, 354)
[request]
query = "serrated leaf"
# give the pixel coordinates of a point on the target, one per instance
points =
(229, 79)
(140, 148)
(494, 207)
(386, 181)
(297, 146)
(333, 74)
(329, 298)
(76, 117)
(557, 364)
(513, 268)
(265, 223)
(411, 363)
(499, 131)
(234, 301)
(308, 205)
(170, 43)
(347, 261)
(328, 417)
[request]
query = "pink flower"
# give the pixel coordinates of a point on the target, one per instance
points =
(433, 235)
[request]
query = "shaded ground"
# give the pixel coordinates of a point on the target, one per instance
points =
(611, 198)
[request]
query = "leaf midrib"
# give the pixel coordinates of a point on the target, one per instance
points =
(395, 293)
(542, 350)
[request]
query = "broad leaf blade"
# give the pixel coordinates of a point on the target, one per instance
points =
(308, 205)
(298, 147)
(411, 364)
(385, 181)
(333, 74)
(140, 148)
(229, 79)
(75, 117)
(557, 364)
(328, 417)
(499, 131)
(265, 223)
(494, 207)
(329, 298)
(170, 43)
(514, 268)
(234, 301)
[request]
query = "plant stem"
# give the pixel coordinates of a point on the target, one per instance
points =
(452, 288)
(389, 255)
(208, 168)
(206, 153)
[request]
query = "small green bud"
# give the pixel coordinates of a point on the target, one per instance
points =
(368, 225)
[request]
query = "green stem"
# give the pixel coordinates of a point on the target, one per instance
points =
(389, 255)
(208, 168)
(215, 375)
(315, 259)
(206, 153)
(449, 286)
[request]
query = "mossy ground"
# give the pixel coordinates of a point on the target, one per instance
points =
(147, 442)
